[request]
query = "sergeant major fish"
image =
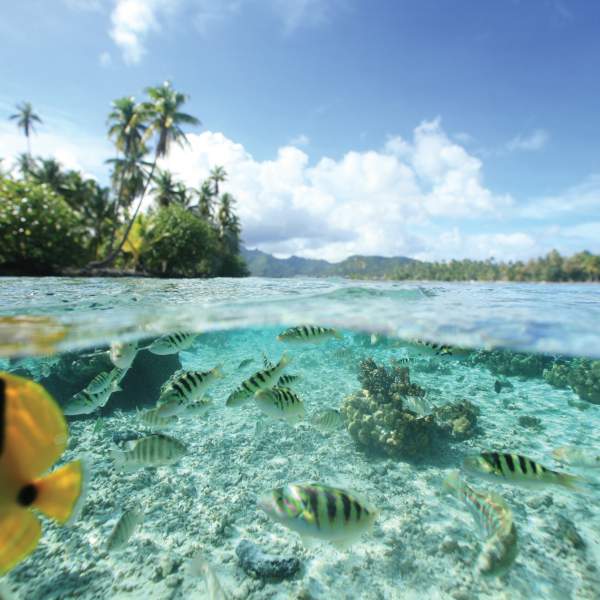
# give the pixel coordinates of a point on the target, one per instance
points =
(152, 419)
(287, 380)
(103, 381)
(124, 529)
(517, 470)
(308, 333)
(85, 402)
(33, 436)
(185, 388)
(122, 354)
(319, 511)
(151, 451)
(172, 343)
(495, 520)
(280, 403)
(259, 381)
(326, 420)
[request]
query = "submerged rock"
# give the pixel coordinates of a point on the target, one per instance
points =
(257, 563)
(458, 419)
(140, 386)
(507, 362)
(581, 375)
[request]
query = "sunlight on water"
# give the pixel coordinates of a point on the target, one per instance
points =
(383, 419)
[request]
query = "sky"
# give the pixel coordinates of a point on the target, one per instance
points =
(429, 129)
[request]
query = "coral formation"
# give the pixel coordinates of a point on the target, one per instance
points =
(259, 564)
(582, 375)
(377, 418)
(506, 362)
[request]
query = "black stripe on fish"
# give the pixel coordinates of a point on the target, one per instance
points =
(510, 462)
(523, 464)
(331, 506)
(358, 509)
(533, 466)
(347, 507)
(3, 404)
(493, 459)
(186, 384)
(27, 495)
(313, 498)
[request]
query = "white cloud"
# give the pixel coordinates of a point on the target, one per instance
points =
(365, 202)
(536, 140)
(105, 59)
(133, 21)
(300, 140)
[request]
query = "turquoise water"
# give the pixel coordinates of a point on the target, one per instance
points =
(536, 342)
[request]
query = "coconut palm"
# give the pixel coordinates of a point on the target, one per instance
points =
(217, 175)
(165, 189)
(127, 124)
(49, 171)
(26, 120)
(25, 165)
(164, 119)
(205, 200)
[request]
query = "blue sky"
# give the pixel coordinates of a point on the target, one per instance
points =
(435, 129)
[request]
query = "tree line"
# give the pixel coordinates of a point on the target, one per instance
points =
(53, 220)
(580, 267)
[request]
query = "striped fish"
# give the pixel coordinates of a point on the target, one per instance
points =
(287, 380)
(122, 355)
(328, 419)
(101, 382)
(84, 402)
(186, 387)
(259, 381)
(151, 451)
(308, 333)
(172, 343)
(151, 418)
(124, 529)
(495, 520)
(319, 511)
(518, 470)
(198, 408)
(280, 403)
(267, 364)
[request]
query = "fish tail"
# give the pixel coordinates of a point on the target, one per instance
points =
(60, 494)
(337, 334)
(285, 359)
(451, 483)
(574, 482)
(118, 457)
(20, 531)
(218, 371)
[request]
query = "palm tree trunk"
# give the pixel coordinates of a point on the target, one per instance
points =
(28, 147)
(113, 255)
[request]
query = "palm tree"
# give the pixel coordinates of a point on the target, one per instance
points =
(217, 175)
(165, 188)
(164, 118)
(127, 124)
(205, 200)
(26, 120)
(49, 171)
(182, 194)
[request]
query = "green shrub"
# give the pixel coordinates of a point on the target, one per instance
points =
(177, 243)
(40, 233)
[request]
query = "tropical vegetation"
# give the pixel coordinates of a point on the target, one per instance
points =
(53, 220)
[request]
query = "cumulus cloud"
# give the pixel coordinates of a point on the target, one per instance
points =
(367, 202)
(536, 140)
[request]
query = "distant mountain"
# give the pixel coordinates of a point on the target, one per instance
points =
(262, 264)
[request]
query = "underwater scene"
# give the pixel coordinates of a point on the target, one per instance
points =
(298, 439)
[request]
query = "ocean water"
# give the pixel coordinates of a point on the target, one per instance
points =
(521, 367)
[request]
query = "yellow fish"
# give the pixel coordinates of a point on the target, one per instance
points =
(33, 436)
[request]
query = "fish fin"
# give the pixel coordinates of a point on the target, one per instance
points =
(60, 494)
(20, 531)
(451, 483)
(218, 371)
(338, 335)
(286, 359)
(119, 458)
(575, 483)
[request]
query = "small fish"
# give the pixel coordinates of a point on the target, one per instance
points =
(426, 347)
(124, 529)
(328, 419)
(280, 403)
(578, 457)
(495, 520)
(401, 361)
(85, 403)
(151, 451)
(172, 343)
(319, 511)
(103, 381)
(502, 385)
(185, 388)
(287, 380)
(418, 405)
(259, 381)
(518, 470)
(152, 418)
(201, 568)
(308, 333)
(198, 408)
(245, 363)
(267, 364)
(122, 354)
(33, 436)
